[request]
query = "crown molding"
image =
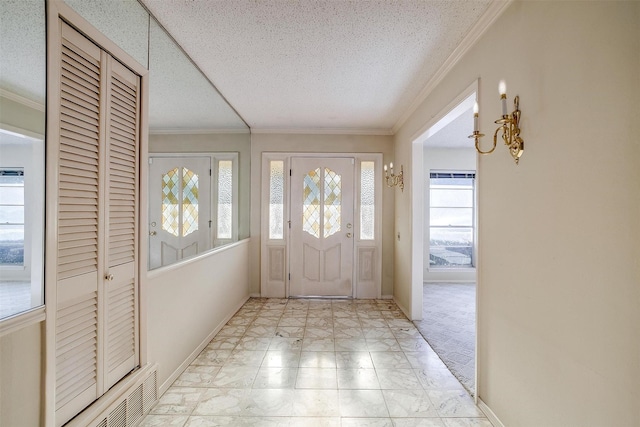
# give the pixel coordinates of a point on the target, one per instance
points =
(21, 100)
(196, 131)
(323, 131)
(495, 9)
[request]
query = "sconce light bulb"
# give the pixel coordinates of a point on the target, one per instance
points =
(391, 166)
(385, 168)
(475, 116)
(502, 87)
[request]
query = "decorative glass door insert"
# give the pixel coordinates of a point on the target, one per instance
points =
(325, 207)
(180, 202)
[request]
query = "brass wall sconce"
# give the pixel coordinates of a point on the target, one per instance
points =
(394, 180)
(509, 126)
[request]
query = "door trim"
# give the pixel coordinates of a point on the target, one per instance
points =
(274, 252)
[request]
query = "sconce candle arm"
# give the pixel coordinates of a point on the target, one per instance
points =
(510, 128)
(393, 180)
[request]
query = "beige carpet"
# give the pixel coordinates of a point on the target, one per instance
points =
(448, 325)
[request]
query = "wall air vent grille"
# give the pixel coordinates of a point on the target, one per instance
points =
(133, 406)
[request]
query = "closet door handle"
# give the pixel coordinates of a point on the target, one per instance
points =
(109, 277)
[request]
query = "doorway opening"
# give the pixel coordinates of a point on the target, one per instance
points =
(445, 258)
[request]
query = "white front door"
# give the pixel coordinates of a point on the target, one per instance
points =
(322, 212)
(179, 208)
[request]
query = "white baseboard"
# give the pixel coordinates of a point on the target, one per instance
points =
(489, 413)
(402, 308)
(184, 365)
(255, 295)
(449, 281)
(386, 297)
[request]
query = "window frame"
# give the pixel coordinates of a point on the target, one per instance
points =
(19, 171)
(473, 227)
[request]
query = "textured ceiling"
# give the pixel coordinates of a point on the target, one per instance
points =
(22, 35)
(314, 65)
(180, 97)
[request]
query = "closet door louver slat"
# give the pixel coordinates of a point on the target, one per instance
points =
(121, 329)
(77, 236)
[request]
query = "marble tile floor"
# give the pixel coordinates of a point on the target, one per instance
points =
(297, 362)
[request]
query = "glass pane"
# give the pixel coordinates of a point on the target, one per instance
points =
(276, 199)
(11, 178)
(451, 247)
(12, 194)
(367, 200)
(452, 182)
(442, 198)
(451, 236)
(332, 202)
(124, 22)
(311, 203)
(450, 256)
(11, 214)
(451, 217)
(23, 74)
(189, 202)
(225, 199)
(11, 244)
(170, 202)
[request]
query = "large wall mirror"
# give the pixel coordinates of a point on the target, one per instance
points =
(22, 124)
(199, 151)
(199, 148)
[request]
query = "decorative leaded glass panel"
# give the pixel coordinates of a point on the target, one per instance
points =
(170, 201)
(311, 203)
(225, 199)
(276, 199)
(367, 201)
(189, 202)
(332, 202)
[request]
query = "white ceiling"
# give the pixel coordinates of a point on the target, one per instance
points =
(455, 134)
(353, 66)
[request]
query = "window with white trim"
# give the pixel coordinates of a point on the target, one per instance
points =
(12, 217)
(451, 219)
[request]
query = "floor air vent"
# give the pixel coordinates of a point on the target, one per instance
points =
(133, 406)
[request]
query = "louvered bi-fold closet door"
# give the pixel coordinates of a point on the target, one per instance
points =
(96, 289)
(121, 299)
(79, 223)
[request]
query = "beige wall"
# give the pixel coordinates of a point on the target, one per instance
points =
(295, 143)
(17, 115)
(21, 359)
(559, 279)
(183, 314)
